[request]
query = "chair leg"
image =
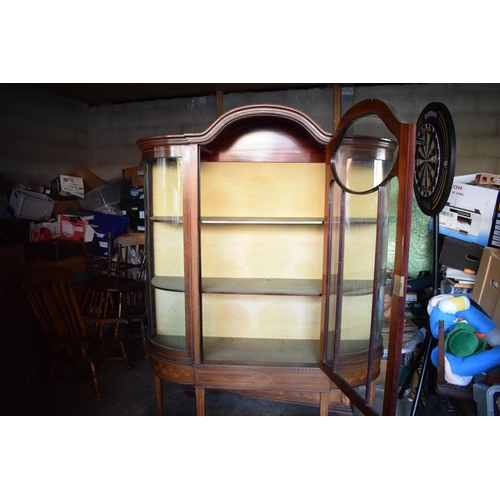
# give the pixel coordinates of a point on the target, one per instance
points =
(124, 356)
(95, 383)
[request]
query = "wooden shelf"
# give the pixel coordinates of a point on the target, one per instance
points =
(269, 352)
(262, 286)
(170, 283)
(244, 286)
(260, 220)
(169, 219)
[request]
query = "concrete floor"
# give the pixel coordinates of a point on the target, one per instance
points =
(131, 393)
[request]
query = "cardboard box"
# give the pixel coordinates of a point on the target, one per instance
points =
(31, 205)
(134, 176)
(90, 180)
(486, 290)
(131, 198)
(461, 255)
(471, 212)
(68, 187)
(63, 227)
(61, 207)
(137, 221)
(132, 205)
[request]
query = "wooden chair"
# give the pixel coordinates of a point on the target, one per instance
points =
(97, 265)
(130, 264)
(131, 255)
(73, 338)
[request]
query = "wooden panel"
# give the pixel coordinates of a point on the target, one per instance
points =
(262, 189)
(182, 373)
(294, 379)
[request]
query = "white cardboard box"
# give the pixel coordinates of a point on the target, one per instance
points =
(70, 184)
(471, 213)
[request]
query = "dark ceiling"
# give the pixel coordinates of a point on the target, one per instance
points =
(95, 94)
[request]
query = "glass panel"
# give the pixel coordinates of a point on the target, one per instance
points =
(167, 242)
(167, 187)
(365, 156)
(360, 226)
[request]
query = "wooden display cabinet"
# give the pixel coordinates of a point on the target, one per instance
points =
(269, 245)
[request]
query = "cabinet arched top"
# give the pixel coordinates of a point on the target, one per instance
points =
(264, 132)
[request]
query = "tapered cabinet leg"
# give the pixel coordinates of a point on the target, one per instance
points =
(324, 399)
(200, 401)
(373, 388)
(158, 395)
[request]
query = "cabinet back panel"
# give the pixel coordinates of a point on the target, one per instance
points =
(262, 189)
(170, 316)
(262, 251)
(360, 242)
(254, 316)
(168, 249)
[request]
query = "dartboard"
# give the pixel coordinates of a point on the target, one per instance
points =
(434, 158)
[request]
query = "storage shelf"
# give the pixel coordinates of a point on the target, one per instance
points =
(170, 283)
(260, 220)
(279, 352)
(262, 286)
(244, 286)
(169, 219)
(260, 351)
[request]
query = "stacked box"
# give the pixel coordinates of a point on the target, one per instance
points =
(471, 213)
(31, 205)
(63, 227)
(132, 204)
(104, 225)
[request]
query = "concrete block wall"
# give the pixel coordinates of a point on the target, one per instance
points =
(114, 130)
(41, 135)
(475, 109)
(44, 135)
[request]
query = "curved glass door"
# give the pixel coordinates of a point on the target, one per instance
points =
(367, 254)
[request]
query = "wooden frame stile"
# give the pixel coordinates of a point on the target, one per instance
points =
(406, 167)
(403, 169)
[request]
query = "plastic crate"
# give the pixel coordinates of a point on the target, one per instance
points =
(31, 205)
(101, 197)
